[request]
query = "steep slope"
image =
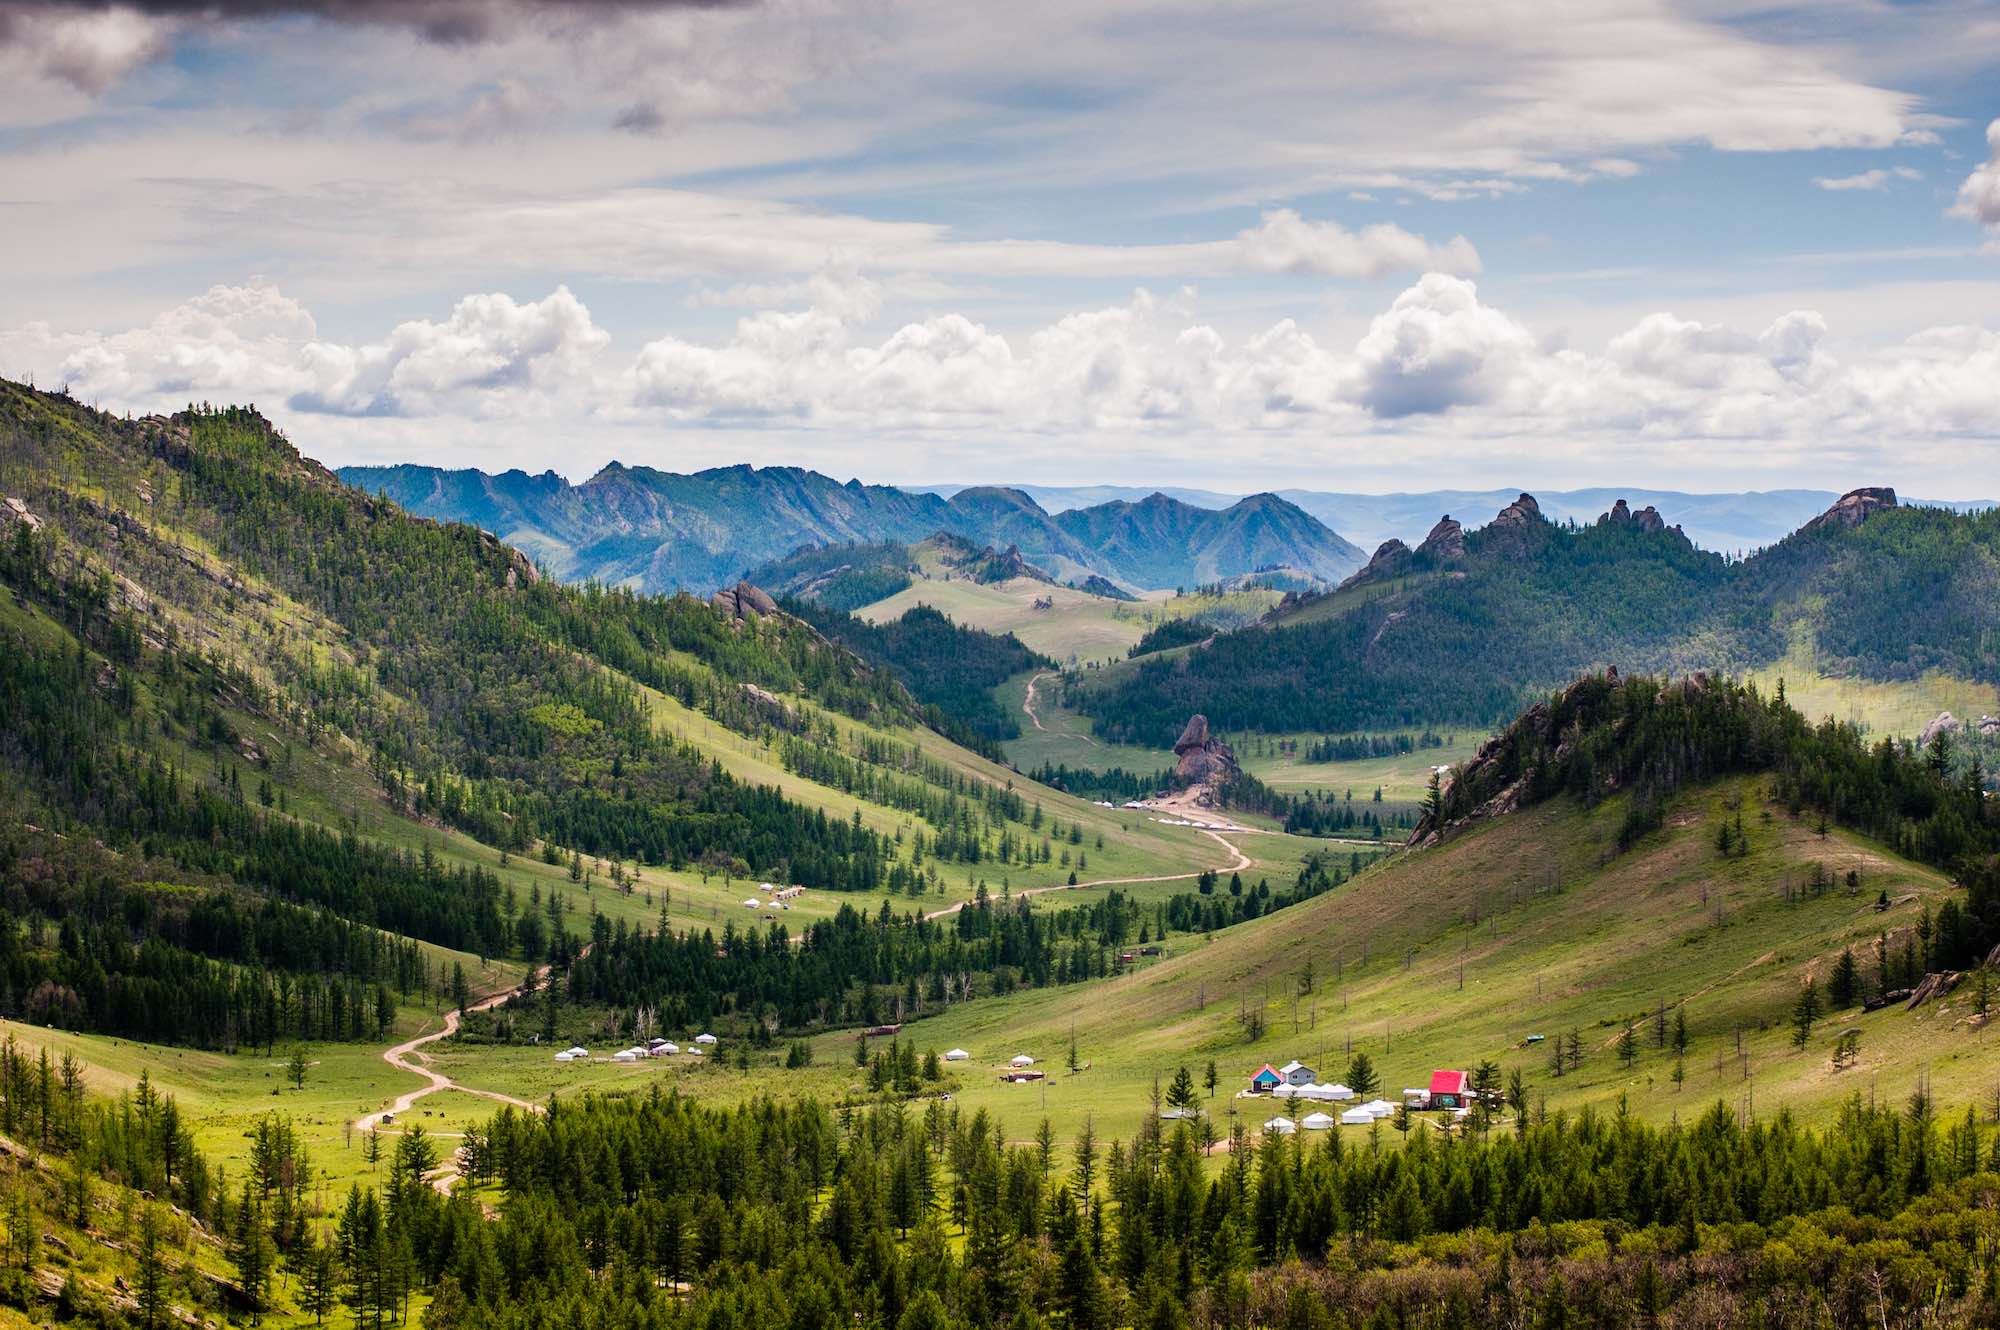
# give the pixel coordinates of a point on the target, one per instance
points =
(1465, 627)
(277, 730)
(1008, 517)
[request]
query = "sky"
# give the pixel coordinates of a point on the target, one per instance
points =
(1358, 246)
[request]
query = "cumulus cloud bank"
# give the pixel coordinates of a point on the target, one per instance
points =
(1438, 358)
(254, 343)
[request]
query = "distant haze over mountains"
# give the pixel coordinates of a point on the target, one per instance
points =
(1729, 523)
(661, 531)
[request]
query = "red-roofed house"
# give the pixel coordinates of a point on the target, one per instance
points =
(1266, 1080)
(1449, 1090)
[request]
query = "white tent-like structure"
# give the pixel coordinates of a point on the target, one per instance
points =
(1281, 1126)
(665, 1050)
(957, 1055)
(1338, 1092)
(627, 1055)
(1380, 1108)
(565, 1056)
(753, 905)
(1285, 1090)
(1356, 1117)
(1316, 1121)
(1021, 1060)
(704, 1039)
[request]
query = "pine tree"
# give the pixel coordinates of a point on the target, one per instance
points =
(1628, 1047)
(1181, 1094)
(1361, 1076)
(319, 1280)
(151, 1291)
(1843, 986)
(1805, 1011)
(251, 1251)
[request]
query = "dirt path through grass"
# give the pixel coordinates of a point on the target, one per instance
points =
(1243, 861)
(1028, 706)
(407, 1057)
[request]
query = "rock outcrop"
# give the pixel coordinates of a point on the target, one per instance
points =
(1392, 558)
(1989, 725)
(1646, 519)
(1445, 542)
(13, 510)
(1943, 723)
(743, 601)
(1854, 507)
(1520, 515)
(1202, 758)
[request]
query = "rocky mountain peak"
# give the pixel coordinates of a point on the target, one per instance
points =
(1446, 540)
(1391, 558)
(1855, 507)
(1647, 518)
(1522, 513)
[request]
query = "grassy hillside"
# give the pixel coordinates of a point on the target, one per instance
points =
(1075, 626)
(1468, 627)
(1553, 931)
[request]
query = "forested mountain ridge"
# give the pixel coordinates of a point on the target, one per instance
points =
(1469, 626)
(661, 531)
(201, 625)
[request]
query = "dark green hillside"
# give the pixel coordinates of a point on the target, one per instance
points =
(1905, 591)
(1648, 738)
(1468, 637)
(1464, 630)
(839, 577)
(191, 606)
(950, 668)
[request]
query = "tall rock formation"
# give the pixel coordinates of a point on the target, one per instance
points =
(1201, 757)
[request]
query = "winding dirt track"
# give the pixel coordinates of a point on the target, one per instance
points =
(406, 1057)
(1028, 706)
(1243, 861)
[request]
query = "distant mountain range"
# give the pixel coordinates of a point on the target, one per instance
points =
(662, 531)
(1728, 523)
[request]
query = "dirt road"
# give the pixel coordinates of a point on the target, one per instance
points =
(1028, 706)
(406, 1057)
(1243, 861)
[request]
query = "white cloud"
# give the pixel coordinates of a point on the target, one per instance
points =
(1979, 196)
(491, 353)
(1284, 242)
(254, 343)
(88, 48)
(1140, 365)
(1437, 348)
(238, 341)
(1874, 180)
(1438, 364)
